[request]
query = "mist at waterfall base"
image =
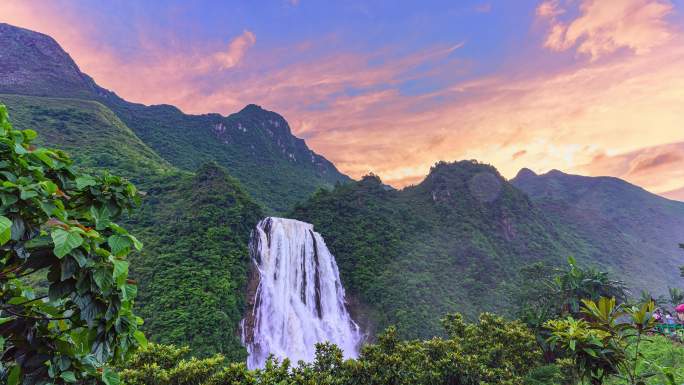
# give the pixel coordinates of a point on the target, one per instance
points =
(300, 299)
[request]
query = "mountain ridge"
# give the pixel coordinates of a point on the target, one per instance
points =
(255, 145)
(641, 230)
(448, 243)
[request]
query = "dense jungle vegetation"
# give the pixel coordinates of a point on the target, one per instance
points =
(454, 241)
(577, 325)
(196, 225)
(76, 281)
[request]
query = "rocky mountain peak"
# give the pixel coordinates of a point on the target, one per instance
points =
(33, 63)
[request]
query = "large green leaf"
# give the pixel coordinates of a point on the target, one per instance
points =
(129, 291)
(140, 337)
(110, 377)
(119, 244)
(102, 279)
(85, 181)
(5, 230)
(68, 376)
(65, 241)
(120, 271)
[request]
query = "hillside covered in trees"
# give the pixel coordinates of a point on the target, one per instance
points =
(457, 241)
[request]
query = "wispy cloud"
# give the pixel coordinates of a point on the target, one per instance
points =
(603, 27)
(660, 168)
(236, 50)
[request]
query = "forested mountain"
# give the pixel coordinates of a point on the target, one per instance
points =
(457, 239)
(88, 130)
(195, 226)
(450, 242)
(618, 225)
(196, 218)
(255, 145)
(454, 242)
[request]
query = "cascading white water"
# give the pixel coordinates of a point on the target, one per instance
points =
(300, 299)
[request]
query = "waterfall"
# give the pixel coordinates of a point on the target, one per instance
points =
(299, 300)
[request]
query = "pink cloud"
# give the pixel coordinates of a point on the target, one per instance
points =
(677, 194)
(236, 50)
(603, 27)
(659, 168)
(549, 9)
(518, 154)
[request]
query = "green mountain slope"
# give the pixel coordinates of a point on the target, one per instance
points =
(255, 145)
(448, 244)
(195, 226)
(618, 225)
(91, 133)
(194, 267)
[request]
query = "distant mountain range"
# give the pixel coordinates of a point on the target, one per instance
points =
(619, 225)
(454, 242)
(458, 239)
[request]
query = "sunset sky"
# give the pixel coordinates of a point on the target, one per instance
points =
(594, 87)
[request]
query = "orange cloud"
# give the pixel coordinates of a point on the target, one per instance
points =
(677, 194)
(604, 26)
(549, 9)
(659, 168)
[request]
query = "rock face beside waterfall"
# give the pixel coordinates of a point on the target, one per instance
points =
(299, 300)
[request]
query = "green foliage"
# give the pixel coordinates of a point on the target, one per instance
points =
(676, 296)
(603, 344)
(492, 351)
(576, 284)
(53, 218)
(196, 226)
(162, 365)
(594, 352)
(194, 271)
(543, 293)
(451, 242)
(545, 375)
(661, 362)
